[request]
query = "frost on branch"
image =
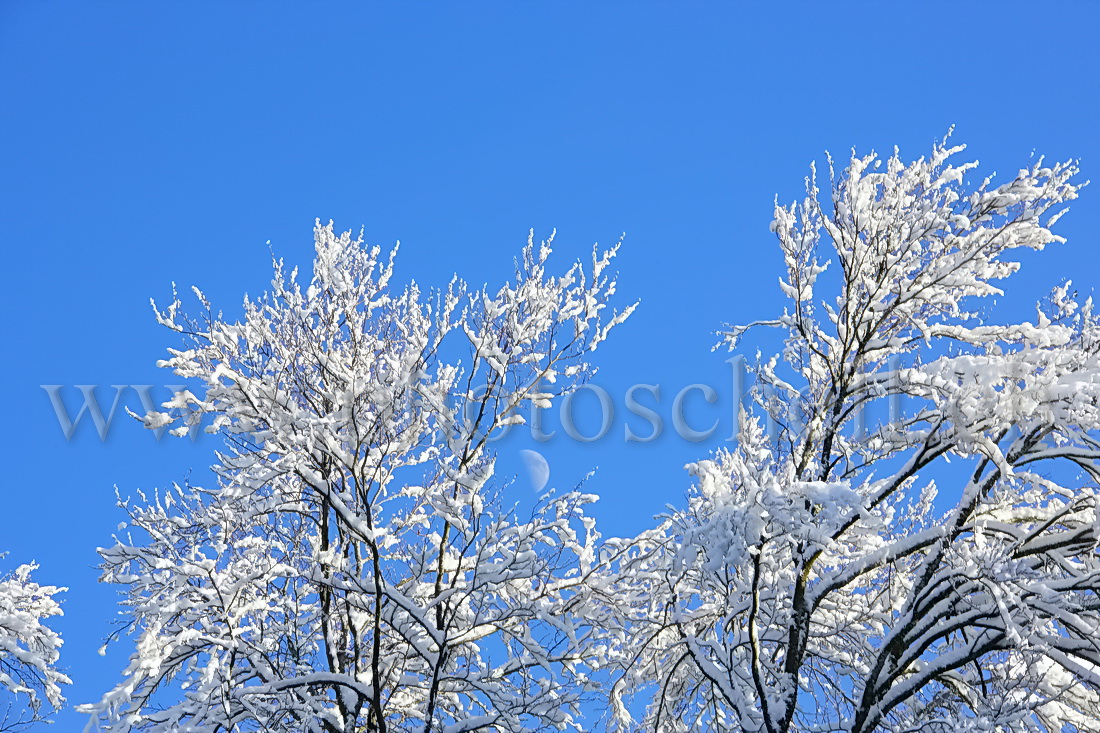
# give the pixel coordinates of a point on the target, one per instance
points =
(813, 582)
(354, 570)
(29, 649)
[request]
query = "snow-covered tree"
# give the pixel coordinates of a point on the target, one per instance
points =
(354, 568)
(814, 581)
(29, 676)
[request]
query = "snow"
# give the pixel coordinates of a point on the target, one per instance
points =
(354, 566)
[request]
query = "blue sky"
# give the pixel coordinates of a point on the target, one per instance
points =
(146, 143)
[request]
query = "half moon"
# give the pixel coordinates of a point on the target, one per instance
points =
(538, 470)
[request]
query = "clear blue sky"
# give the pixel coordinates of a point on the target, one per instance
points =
(142, 143)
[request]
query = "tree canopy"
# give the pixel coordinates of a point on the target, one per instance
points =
(357, 565)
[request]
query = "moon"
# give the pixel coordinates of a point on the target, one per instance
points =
(538, 470)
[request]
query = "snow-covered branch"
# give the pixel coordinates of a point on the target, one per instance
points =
(29, 649)
(813, 581)
(355, 569)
